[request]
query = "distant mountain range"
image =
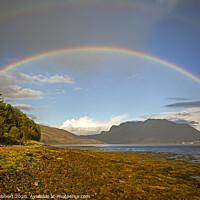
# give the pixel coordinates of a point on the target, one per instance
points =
(151, 131)
(51, 135)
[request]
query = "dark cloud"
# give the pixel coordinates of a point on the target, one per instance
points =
(184, 104)
(179, 98)
(182, 121)
(24, 107)
(29, 27)
(183, 114)
(33, 117)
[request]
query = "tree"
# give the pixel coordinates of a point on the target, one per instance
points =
(1, 98)
(14, 132)
(30, 134)
(14, 123)
(1, 126)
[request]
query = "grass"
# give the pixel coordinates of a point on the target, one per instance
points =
(36, 169)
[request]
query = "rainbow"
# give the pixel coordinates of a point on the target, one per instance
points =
(99, 49)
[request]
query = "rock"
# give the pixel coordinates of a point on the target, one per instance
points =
(29, 154)
(10, 141)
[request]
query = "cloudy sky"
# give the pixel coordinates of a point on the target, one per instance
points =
(86, 92)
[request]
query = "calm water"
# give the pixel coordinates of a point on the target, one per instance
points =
(193, 150)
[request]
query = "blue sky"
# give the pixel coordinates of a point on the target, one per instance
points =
(87, 92)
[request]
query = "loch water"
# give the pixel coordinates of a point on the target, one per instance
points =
(188, 149)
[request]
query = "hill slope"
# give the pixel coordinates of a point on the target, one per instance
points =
(151, 131)
(51, 135)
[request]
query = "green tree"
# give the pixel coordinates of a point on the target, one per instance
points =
(29, 134)
(24, 132)
(1, 126)
(14, 132)
(14, 123)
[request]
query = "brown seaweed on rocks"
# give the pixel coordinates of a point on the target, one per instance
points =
(50, 171)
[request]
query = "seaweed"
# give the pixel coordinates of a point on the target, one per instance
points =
(44, 170)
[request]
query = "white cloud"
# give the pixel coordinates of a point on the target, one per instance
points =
(25, 107)
(89, 126)
(191, 115)
(57, 79)
(45, 124)
(81, 89)
(15, 92)
(57, 91)
(77, 88)
(11, 85)
(16, 77)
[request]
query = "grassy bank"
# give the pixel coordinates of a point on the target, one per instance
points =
(43, 170)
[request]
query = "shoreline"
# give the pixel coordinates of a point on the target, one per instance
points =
(188, 157)
(46, 170)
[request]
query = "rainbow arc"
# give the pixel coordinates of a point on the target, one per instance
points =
(99, 49)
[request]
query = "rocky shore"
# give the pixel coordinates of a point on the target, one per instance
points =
(44, 172)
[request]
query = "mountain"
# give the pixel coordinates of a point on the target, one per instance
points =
(151, 131)
(51, 135)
